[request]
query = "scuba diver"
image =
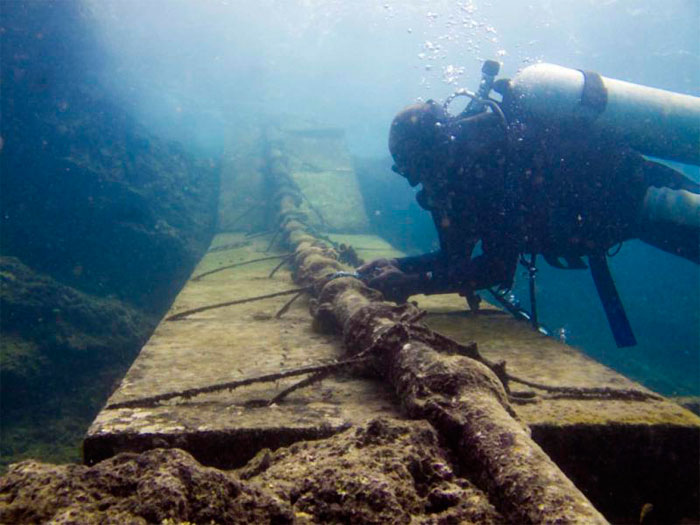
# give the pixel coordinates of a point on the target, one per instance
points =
(556, 169)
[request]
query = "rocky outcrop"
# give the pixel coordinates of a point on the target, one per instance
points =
(89, 196)
(384, 472)
(51, 331)
(61, 352)
(157, 485)
(101, 225)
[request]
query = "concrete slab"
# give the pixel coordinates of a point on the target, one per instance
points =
(242, 187)
(226, 429)
(321, 166)
(542, 359)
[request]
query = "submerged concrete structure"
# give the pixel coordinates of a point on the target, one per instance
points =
(623, 452)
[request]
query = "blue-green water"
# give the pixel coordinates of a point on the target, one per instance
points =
(116, 115)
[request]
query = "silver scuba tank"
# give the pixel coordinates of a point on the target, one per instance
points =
(653, 121)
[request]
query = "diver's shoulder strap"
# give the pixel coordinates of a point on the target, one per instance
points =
(594, 96)
(614, 310)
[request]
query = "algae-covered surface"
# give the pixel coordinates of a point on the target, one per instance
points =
(341, 481)
(230, 343)
(320, 166)
(533, 356)
(247, 340)
(61, 351)
(385, 471)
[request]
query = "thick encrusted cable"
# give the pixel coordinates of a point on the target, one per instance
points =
(461, 396)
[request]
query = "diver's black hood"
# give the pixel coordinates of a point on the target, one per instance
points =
(418, 140)
(425, 141)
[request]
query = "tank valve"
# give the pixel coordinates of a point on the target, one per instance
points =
(488, 75)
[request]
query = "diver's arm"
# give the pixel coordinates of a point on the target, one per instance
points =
(483, 271)
(465, 275)
(453, 269)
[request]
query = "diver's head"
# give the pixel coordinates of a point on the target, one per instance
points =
(418, 141)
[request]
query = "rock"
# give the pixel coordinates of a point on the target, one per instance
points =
(90, 197)
(150, 487)
(61, 353)
(384, 472)
(41, 309)
(98, 207)
(52, 333)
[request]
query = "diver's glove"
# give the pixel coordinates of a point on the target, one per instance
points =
(368, 270)
(385, 276)
(395, 284)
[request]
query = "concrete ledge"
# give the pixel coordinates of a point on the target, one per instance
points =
(622, 454)
(225, 429)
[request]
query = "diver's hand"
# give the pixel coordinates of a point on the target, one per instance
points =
(394, 284)
(374, 267)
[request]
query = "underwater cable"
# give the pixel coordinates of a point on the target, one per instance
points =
(230, 385)
(235, 265)
(186, 313)
(274, 270)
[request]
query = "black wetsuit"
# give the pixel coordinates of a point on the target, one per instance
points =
(563, 193)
